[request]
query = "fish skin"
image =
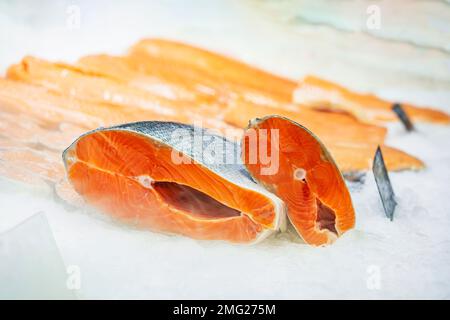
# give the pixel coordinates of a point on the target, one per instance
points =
(384, 184)
(403, 116)
(234, 173)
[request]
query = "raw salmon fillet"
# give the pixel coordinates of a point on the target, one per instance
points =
(202, 65)
(259, 85)
(122, 84)
(351, 141)
(307, 179)
(94, 88)
(236, 110)
(322, 94)
(154, 175)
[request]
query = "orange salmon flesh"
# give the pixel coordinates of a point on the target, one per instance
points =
(321, 94)
(132, 177)
(308, 181)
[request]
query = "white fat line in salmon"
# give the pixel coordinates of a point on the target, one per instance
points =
(264, 147)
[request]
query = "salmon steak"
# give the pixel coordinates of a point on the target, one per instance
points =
(318, 202)
(172, 178)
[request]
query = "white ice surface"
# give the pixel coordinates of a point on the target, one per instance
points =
(406, 258)
(31, 266)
